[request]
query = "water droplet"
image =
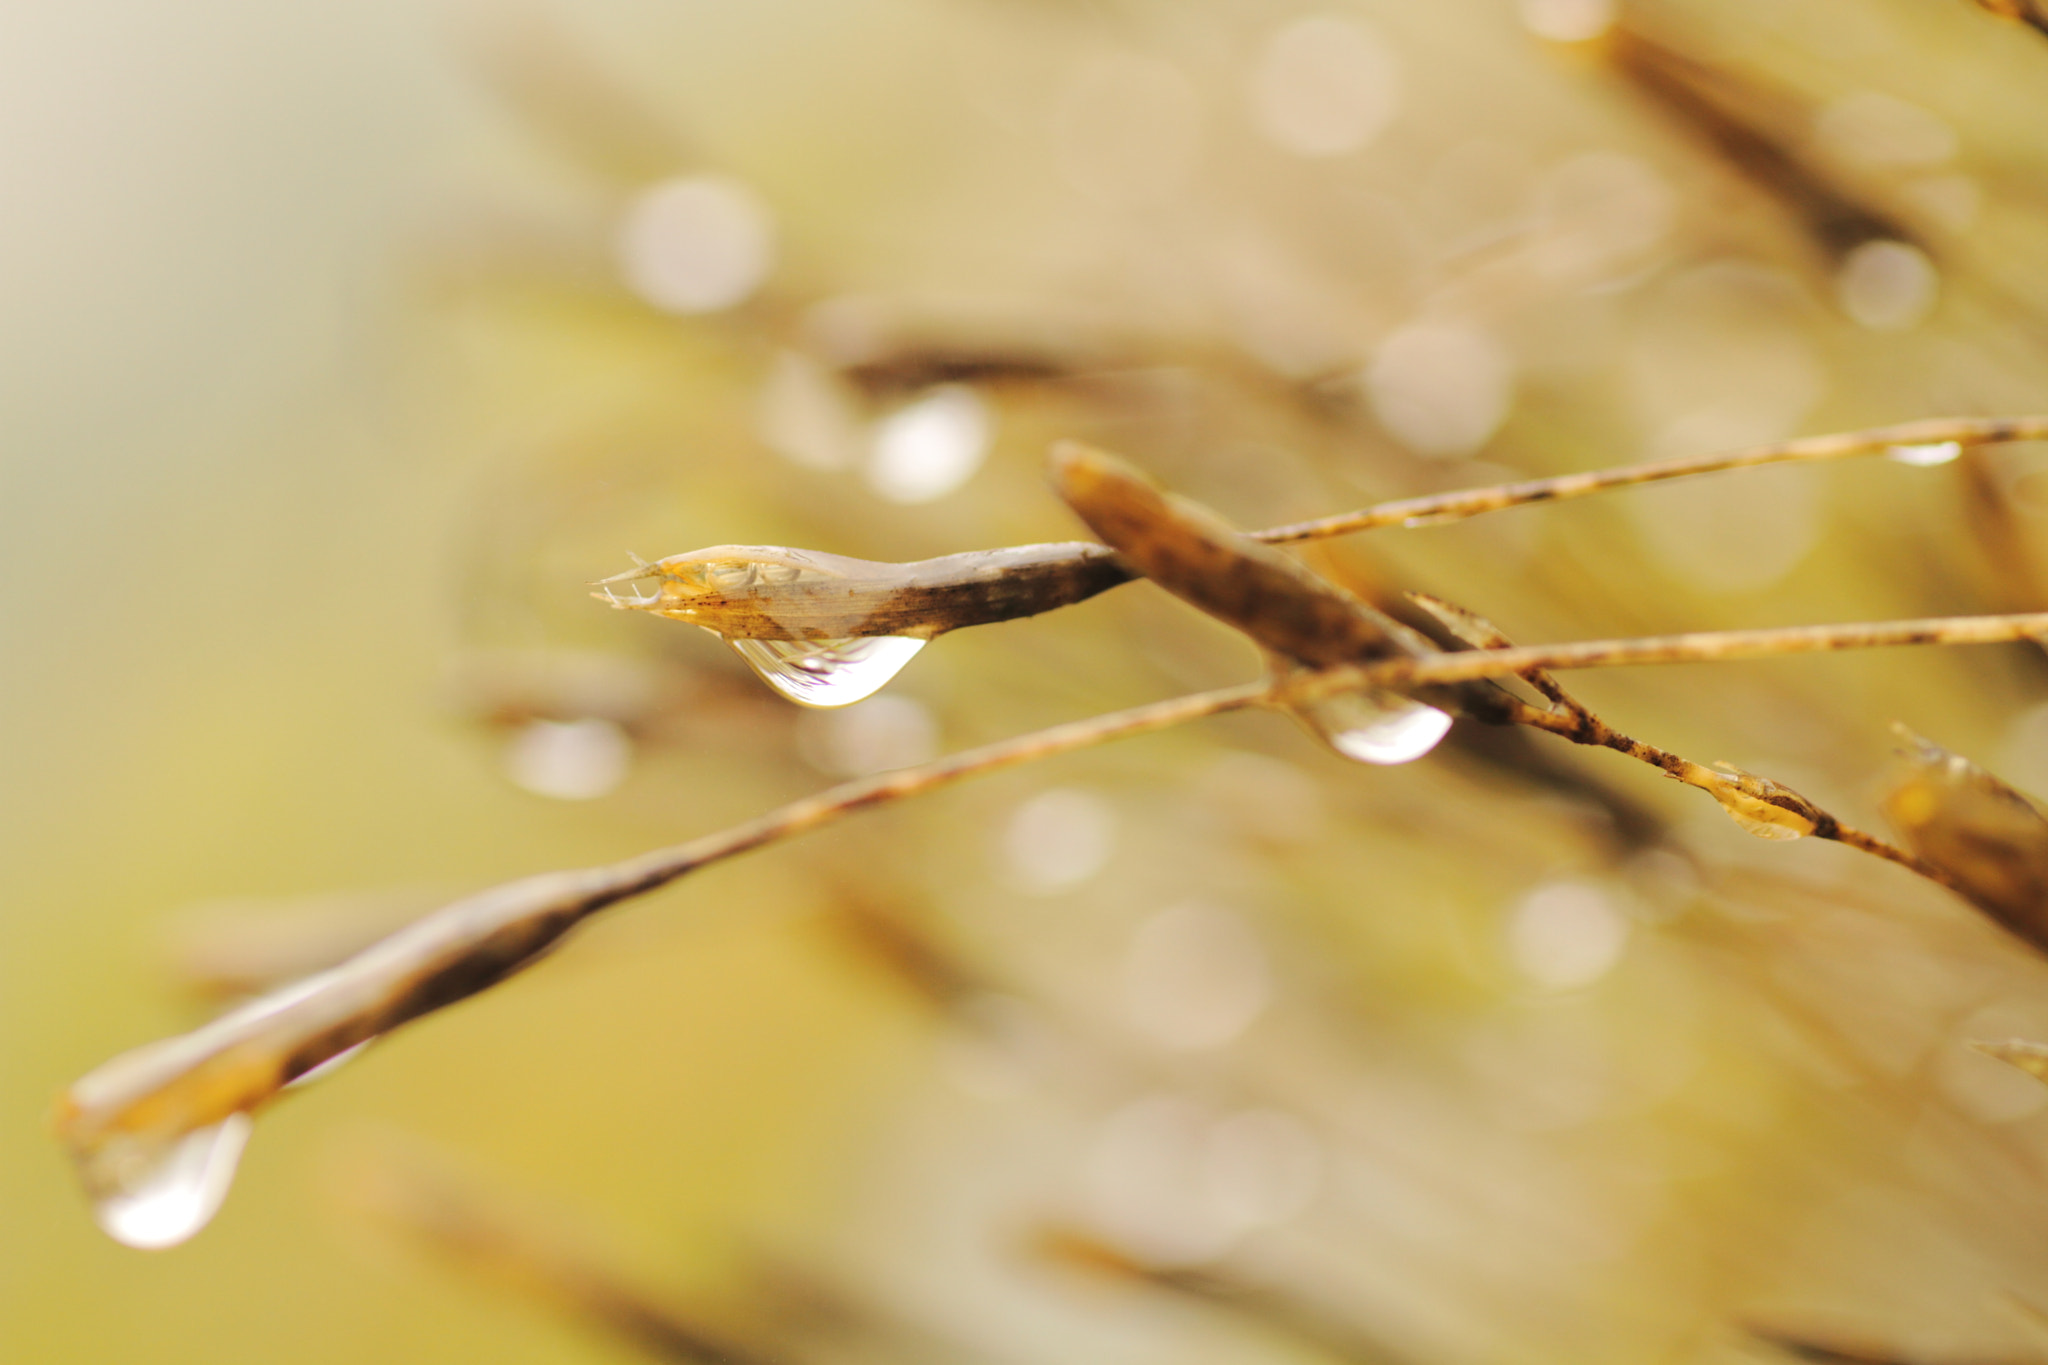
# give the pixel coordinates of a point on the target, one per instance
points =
(149, 1195)
(1375, 727)
(828, 672)
(1760, 806)
(1926, 456)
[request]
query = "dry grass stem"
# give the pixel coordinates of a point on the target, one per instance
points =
(770, 592)
(237, 1063)
(1445, 507)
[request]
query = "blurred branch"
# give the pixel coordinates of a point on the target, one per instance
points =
(484, 1234)
(1265, 1306)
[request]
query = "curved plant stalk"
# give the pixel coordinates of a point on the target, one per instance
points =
(123, 1120)
(770, 592)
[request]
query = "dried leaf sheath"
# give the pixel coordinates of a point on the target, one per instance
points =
(129, 1112)
(762, 592)
(775, 593)
(1990, 839)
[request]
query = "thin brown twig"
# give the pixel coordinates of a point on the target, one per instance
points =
(130, 1107)
(1471, 502)
(133, 1106)
(1762, 806)
(770, 592)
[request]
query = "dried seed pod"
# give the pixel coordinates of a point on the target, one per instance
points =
(1308, 620)
(767, 592)
(1988, 837)
(826, 630)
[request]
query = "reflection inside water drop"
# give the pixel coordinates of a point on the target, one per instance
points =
(828, 672)
(158, 1198)
(1926, 456)
(1375, 727)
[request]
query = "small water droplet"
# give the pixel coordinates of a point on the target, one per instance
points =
(1926, 456)
(1375, 727)
(159, 1194)
(828, 672)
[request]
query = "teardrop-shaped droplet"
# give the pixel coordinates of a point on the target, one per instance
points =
(1375, 727)
(157, 1196)
(1926, 456)
(828, 672)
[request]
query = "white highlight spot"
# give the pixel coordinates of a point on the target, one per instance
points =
(1887, 286)
(1059, 838)
(1376, 727)
(931, 446)
(1195, 977)
(1926, 456)
(573, 760)
(696, 244)
(1441, 388)
(1325, 85)
(1566, 934)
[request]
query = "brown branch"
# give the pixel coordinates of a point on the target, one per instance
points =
(128, 1111)
(768, 592)
(131, 1109)
(1444, 507)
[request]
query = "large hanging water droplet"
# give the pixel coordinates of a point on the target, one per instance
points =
(1375, 727)
(158, 1195)
(828, 672)
(1926, 456)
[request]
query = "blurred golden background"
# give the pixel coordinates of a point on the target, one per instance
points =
(348, 343)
